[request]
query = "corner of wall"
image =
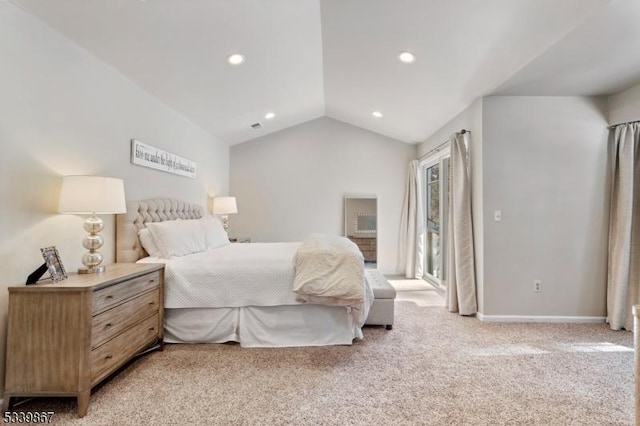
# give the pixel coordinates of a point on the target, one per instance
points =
(624, 106)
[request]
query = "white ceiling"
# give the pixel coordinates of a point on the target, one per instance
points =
(309, 58)
(600, 57)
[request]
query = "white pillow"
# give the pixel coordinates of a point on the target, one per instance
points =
(178, 237)
(148, 243)
(214, 232)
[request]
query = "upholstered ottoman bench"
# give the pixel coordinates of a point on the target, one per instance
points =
(381, 312)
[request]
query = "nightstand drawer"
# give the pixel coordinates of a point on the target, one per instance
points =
(119, 349)
(110, 296)
(110, 323)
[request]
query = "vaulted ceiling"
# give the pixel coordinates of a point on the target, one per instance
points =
(309, 58)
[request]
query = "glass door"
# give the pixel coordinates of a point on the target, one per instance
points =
(436, 203)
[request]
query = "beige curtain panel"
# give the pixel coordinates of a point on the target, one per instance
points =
(623, 281)
(410, 245)
(461, 276)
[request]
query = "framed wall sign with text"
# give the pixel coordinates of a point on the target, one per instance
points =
(155, 158)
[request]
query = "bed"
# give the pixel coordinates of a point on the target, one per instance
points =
(237, 292)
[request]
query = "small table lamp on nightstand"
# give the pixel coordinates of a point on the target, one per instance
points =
(92, 195)
(225, 206)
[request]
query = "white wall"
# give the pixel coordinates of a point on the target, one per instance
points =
(469, 119)
(292, 183)
(625, 106)
(64, 112)
(542, 161)
(545, 167)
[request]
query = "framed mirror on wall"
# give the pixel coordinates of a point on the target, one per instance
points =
(361, 225)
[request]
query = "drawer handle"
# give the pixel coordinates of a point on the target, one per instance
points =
(108, 325)
(108, 357)
(152, 303)
(152, 329)
(109, 297)
(152, 281)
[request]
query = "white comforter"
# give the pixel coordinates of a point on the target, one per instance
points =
(256, 274)
(236, 275)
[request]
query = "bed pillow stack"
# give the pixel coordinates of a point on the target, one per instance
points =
(148, 243)
(183, 237)
(214, 232)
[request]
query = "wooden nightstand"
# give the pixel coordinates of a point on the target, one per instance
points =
(65, 338)
(240, 240)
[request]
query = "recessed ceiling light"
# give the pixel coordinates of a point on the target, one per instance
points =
(377, 114)
(269, 115)
(235, 59)
(407, 57)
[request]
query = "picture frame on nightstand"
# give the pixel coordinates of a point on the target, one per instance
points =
(54, 263)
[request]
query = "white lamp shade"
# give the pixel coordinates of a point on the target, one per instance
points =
(92, 194)
(225, 205)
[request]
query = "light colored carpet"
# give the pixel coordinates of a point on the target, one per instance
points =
(405, 284)
(416, 291)
(433, 368)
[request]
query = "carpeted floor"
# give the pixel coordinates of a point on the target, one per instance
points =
(433, 368)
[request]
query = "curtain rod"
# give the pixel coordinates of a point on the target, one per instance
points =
(622, 124)
(437, 148)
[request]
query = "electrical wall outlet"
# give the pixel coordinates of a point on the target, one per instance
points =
(537, 286)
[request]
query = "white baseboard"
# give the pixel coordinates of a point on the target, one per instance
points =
(540, 318)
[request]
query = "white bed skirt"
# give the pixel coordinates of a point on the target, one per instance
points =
(262, 326)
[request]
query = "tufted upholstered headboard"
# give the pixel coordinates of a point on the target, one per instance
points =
(139, 213)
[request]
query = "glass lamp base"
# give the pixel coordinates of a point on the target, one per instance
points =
(94, 270)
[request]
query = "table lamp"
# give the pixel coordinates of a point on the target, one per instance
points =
(92, 195)
(225, 206)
